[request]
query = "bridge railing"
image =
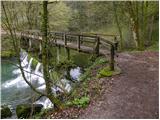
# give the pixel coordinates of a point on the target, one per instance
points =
(81, 42)
(96, 39)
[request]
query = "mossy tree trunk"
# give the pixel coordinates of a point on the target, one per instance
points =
(45, 49)
(134, 20)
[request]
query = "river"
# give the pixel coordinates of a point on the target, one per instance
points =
(14, 89)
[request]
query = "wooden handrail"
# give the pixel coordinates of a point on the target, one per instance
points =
(63, 36)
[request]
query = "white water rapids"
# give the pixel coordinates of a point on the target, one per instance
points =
(36, 78)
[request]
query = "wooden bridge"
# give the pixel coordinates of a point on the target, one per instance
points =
(86, 42)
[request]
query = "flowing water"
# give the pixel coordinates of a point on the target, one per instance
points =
(14, 89)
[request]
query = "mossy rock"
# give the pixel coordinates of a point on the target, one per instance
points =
(24, 110)
(105, 72)
(5, 112)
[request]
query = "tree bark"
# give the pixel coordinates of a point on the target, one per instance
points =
(45, 47)
(45, 57)
(134, 20)
(118, 25)
(150, 30)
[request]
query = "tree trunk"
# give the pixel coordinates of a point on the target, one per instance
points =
(45, 47)
(142, 24)
(150, 30)
(118, 25)
(134, 20)
(45, 56)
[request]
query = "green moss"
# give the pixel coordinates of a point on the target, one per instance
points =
(105, 72)
(23, 111)
(34, 61)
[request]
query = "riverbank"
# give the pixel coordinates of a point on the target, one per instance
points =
(15, 91)
(86, 92)
(128, 95)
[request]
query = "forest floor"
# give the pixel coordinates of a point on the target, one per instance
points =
(132, 94)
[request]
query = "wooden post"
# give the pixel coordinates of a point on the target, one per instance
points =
(116, 43)
(21, 39)
(55, 38)
(40, 47)
(59, 47)
(65, 40)
(68, 53)
(58, 55)
(79, 43)
(97, 46)
(30, 44)
(40, 51)
(112, 58)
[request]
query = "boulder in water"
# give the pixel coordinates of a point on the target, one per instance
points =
(5, 111)
(24, 110)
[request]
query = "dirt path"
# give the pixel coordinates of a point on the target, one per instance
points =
(134, 93)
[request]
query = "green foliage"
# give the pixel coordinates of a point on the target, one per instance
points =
(7, 47)
(23, 111)
(7, 54)
(101, 61)
(64, 64)
(41, 114)
(87, 74)
(5, 112)
(59, 16)
(89, 16)
(81, 59)
(79, 102)
(34, 61)
(154, 47)
(105, 72)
